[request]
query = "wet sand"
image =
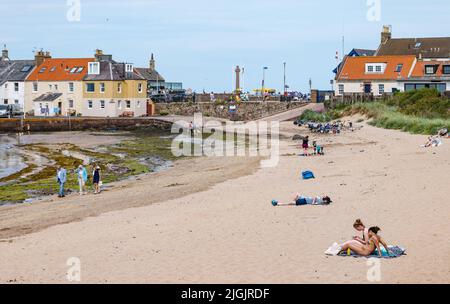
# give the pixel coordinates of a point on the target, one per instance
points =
(210, 221)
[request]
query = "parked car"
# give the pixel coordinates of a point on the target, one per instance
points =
(10, 110)
(159, 98)
(178, 96)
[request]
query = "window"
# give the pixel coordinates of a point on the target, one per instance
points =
(42, 70)
(52, 69)
(341, 89)
(370, 69)
(399, 68)
(430, 69)
(102, 87)
(16, 87)
(89, 104)
(140, 87)
(56, 87)
(378, 68)
(446, 69)
(90, 87)
(102, 104)
(50, 87)
(138, 103)
(129, 68)
(26, 68)
(5, 101)
(381, 89)
(418, 45)
(16, 101)
(94, 68)
(128, 104)
(71, 103)
(35, 86)
(73, 70)
(71, 87)
(80, 69)
(6, 86)
(119, 87)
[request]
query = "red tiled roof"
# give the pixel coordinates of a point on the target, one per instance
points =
(59, 69)
(355, 67)
(419, 69)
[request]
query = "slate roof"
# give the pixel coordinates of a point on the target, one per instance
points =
(150, 74)
(364, 52)
(48, 97)
(428, 47)
(12, 70)
(113, 71)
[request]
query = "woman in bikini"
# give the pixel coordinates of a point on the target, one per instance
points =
(359, 226)
(369, 248)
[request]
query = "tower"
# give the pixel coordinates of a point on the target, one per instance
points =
(5, 56)
(152, 63)
(238, 78)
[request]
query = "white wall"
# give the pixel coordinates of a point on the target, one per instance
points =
(112, 109)
(7, 91)
(358, 87)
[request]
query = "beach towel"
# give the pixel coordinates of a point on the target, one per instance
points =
(307, 175)
(394, 252)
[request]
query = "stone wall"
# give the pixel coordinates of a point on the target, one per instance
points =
(79, 124)
(245, 110)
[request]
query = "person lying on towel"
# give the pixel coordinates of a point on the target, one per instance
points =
(301, 200)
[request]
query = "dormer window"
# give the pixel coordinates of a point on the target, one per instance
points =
(446, 69)
(73, 70)
(129, 68)
(26, 68)
(94, 68)
(377, 68)
(430, 69)
(418, 45)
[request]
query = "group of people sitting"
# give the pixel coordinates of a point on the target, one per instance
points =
(366, 245)
(317, 149)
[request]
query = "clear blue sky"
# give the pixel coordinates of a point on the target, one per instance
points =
(199, 42)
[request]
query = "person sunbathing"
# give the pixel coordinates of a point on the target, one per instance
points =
(363, 249)
(359, 226)
(300, 200)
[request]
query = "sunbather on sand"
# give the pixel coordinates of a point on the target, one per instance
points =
(365, 249)
(359, 226)
(300, 200)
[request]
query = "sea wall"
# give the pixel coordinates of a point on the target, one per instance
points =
(79, 124)
(245, 111)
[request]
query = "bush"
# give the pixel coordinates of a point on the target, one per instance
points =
(163, 113)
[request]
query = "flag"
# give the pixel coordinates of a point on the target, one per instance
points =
(265, 68)
(337, 55)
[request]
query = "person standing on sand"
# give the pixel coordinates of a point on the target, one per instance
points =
(359, 226)
(61, 176)
(305, 145)
(82, 179)
(96, 179)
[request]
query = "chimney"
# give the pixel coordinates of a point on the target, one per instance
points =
(98, 54)
(386, 34)
(152, 63)
(41, 56)
(4, 54)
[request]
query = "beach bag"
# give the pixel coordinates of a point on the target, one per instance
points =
(307, 175)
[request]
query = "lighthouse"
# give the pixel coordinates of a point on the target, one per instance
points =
(238, 78)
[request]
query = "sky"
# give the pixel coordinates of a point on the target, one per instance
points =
(199, 42)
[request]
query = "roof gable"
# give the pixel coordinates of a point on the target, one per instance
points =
(15, 70)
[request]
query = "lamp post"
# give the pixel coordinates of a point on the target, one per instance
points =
(263, 83)
(284, 81)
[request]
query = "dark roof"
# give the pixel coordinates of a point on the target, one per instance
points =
(150, 74)
(113, 71)
(362, 52)
(428, 47)
(13, 70)
(48, 97)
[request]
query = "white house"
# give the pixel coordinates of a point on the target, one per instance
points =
(12, 79)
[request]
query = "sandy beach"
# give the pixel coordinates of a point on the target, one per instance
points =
(210, 219)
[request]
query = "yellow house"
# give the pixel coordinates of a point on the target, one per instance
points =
(112, 89)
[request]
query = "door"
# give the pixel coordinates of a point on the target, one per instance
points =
(59, 108)
(367, 88)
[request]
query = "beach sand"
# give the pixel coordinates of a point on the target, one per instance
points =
(221, 228)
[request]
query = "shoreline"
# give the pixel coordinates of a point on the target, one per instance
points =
(226, 231)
